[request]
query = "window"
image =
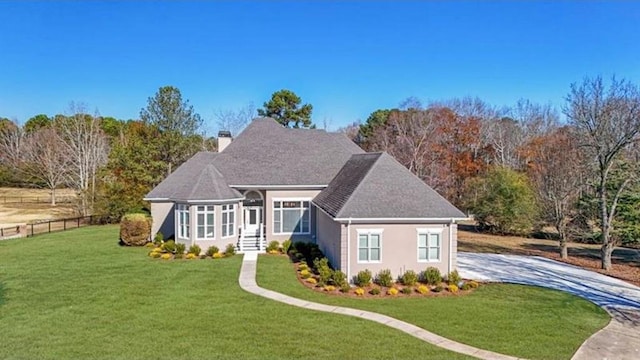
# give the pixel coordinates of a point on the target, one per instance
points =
(182, 212)
(291, 217)
(369, 245)
(228, 220)
(205, 222)
(429, 244)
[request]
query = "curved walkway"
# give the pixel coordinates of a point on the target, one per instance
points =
(620, 339)
(248, 283)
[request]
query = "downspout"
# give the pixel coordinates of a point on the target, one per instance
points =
(450, 244)
(349, 250)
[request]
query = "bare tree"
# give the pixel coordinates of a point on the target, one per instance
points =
(608, 122)
(11, 143)
(45, 158)
(235, 120)
(87, 147)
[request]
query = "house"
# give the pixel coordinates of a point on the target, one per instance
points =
(364, 210)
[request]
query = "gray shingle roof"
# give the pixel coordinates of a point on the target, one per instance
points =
(375, 185)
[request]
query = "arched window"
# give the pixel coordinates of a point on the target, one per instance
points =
(253, 198)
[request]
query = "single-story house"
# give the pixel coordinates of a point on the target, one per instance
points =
(364, 210)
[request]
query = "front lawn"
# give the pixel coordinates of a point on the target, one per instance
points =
(77, 294)
(523, 321)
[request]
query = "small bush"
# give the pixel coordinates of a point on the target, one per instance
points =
(169, 246)
(150, 245)
(473, 284)
(165, 256)
(230, 250)
(273, 252)
(465, 286)
(212, 250)
(422, 289)
(407, 290)
(217, 255)
(409, 278)
(438, 288)
(432, 276)
(339, 279)
(191, 256)
(345, 288)
(359, 291)
(324, 271)
(329, 288)
(180, 247)
(384, 278)
(363, 278)
(452, 288)
(135, 229)
(194, 249)
(453, 278)
(303, 266)
(311, 281)
(305, 274)
(158, 239)
(374, 291)
(392, 291)
(155, 254)
(286, 245)
(273, 246)
(178, 256)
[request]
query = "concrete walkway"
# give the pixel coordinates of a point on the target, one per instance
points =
(618, 340)
(248, 283)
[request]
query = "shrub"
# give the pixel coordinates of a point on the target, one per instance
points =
(212, 250)
(473, 284)
(273, 252)
(178, 255)
(158, 239)
(149, 245)
(303, 266)
(345, 288)
(422, 289)
(286, 245)
(465, 286)
(407, 290)
(230, 250)
(194, 249)
(155, 255)
(312, 281)
(374, 291)
(359, 291)
(191, 256)
(180, 248)
(165, 256)
(452, 288)
(217, 255)
(384, 278)
(305, 274)
(432, 276)
(169, 246)
(363, 278)
(453, 278)
(135, 229)
(273, 246)
(329, 288)
(409, 278)
(438, 288)
(392, 291)
(325, 273)
(339, 279)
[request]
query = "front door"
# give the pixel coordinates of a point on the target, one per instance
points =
(252, 220)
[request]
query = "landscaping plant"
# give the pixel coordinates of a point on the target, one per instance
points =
(384, 278)
(432, 276)
(135, 229)
(363, 278)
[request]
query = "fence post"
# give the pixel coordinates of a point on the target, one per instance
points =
(64, 222)
(49, 225)
(78, 221)
(31, 229)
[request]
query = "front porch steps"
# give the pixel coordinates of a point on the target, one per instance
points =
(251, 244)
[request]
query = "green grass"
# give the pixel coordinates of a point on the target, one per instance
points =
(77, 294)
(523, 321)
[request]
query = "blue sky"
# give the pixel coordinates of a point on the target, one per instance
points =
(346, 59)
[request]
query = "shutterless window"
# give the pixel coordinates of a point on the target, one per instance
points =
(429, 247)
(183, 221)
(291, 217)
(205, 221)
(228, 220)
(369, 246)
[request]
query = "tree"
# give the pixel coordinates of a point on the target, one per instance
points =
(37, 122)
(235, 121)
(377, 119)
(285, 107)
(503, 202)
(45, 159)
(176, 122)
(608, 122)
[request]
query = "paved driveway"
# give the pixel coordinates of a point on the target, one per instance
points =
(618, 340)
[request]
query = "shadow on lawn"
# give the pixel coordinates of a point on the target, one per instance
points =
(619, 256)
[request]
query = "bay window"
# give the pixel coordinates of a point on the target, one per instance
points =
(205, 222)
(228, 220)
(182, 212)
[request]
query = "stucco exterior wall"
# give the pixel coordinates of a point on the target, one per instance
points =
(219, 241)
(329, 239)
(306, 195)
(399, 249)
(163, 219)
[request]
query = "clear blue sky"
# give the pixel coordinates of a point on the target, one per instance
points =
(347, 59)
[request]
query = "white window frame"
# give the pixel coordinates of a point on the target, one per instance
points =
(302, 211)
(428, 232)
(206, 224)
(229, 226)
(182, 214)
(369, 232)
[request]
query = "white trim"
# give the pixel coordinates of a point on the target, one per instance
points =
(450, 246)
(235, 220)
(369, 232)
(179, 210)
(156, 199)
(206, 224)
(441, 220)
(429, 231)
(348, 249)
(273, 217)
(277, 187)
(212, 202)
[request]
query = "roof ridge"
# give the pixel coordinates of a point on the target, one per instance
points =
(344, 206)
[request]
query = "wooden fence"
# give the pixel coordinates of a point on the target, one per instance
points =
(35, 199)
(45, 227)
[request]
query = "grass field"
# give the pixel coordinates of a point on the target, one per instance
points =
(77, 294)
(21, 205)
(523, 321)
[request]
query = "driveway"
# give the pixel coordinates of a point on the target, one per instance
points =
(618, 340)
